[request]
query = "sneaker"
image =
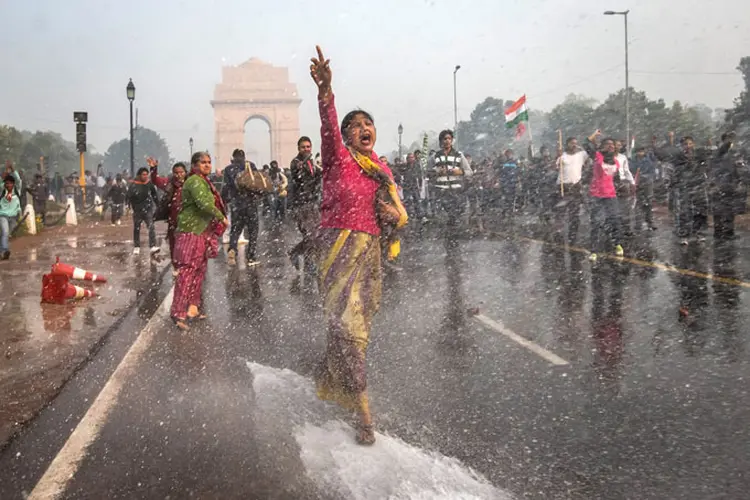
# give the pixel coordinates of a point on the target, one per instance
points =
(136, 251)
(619, 251)
(252, 262)
(232, 258)
(119, 222)
(113, 224)
(5, 255)
(592, 257)
(155, 250)
(684, 242)
(701, 237)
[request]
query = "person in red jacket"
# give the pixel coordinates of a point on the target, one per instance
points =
(349, 241)
(605, 213)
(172, 188)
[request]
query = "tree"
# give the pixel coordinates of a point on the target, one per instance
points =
(485, 132)
(11, 144)
(58, 155)
(738, 118)
(574, 117)
(147, 143)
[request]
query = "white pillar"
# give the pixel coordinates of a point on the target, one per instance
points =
(71, 219)
(30, 220)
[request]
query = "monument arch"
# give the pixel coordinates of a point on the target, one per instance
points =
(255, 90)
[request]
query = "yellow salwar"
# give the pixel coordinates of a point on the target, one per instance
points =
(351, 285)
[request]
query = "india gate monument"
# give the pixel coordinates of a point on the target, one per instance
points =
(255, 89)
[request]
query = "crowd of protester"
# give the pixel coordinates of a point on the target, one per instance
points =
(617, 188)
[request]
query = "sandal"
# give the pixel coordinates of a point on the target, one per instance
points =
(182, 324)
(365, 434)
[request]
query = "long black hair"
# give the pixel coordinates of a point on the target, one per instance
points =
(350, 116)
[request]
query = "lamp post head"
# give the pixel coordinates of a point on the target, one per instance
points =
(614, 13)
(610, 13)
(400, 129)
(191, 142)
(130, 90)
(458, 66)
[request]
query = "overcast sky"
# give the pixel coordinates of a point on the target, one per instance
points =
(394, 58)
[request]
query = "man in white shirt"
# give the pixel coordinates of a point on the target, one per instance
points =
(570, 164)
(625, 191)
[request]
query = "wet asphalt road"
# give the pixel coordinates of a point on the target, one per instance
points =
(653, 402)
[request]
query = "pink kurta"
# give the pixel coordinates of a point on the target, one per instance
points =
(348, 193)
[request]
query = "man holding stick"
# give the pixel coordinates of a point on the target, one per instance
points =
(570, 163)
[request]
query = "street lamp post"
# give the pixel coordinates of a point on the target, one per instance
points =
(191, 148)
(455, 100)
(624, 14)
(400, 133)
(130, 92)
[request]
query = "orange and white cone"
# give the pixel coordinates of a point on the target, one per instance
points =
(57, 290)
(77, 292)
(76, 273)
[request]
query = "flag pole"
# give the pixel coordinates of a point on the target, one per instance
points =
(531, 137)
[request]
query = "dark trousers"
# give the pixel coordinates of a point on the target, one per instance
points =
(146, 217)
(570, 208)
(117, 209)
(412, 202)
(644, 204)
(691, 211)
(723, 225)
(605, 224)
(40, 209)
(509, 200)
(279, 207)
(625, 207)
(308, 220)
(453, 204)
(245, 216)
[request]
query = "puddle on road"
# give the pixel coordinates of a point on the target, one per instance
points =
(41, 344)
(390, 469)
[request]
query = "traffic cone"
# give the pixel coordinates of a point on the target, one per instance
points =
(30, 219)
(76, 273)
(71, 219)
(98, 204)
(56, 289)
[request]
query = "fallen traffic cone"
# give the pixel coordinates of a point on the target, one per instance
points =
(76, 272)
(57, 290)
(30, 219)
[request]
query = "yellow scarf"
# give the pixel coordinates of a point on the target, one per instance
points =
(376, 172)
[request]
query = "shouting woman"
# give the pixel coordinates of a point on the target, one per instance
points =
(350, 268)
(201, 222)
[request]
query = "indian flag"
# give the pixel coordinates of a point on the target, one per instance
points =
(516, 114)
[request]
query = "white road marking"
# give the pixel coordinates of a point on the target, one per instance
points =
(65, 465)
(528, 344)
